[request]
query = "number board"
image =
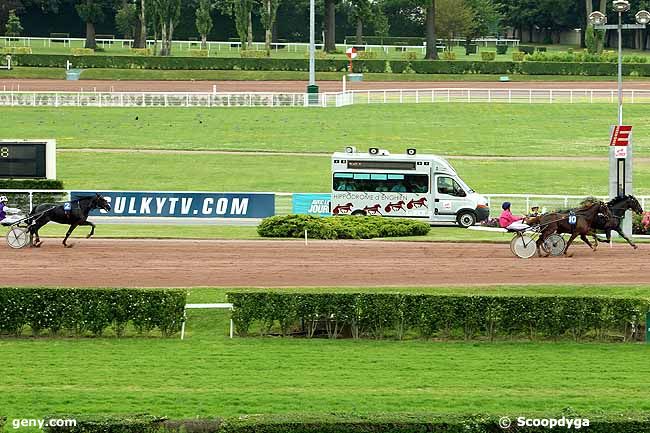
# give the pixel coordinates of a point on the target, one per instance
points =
(27, 159)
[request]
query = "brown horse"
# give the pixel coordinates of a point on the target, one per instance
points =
(578, 222)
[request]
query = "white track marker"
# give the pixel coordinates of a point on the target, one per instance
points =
(305, 237)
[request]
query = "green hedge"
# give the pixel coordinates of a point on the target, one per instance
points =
(340, 227)
(334, 65)
(348, 423)
(110, 424)
(30, 184)
(80, 311)
(469, 317)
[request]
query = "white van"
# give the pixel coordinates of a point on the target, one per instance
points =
(409, 185)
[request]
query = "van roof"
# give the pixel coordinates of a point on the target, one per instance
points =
(440, 163)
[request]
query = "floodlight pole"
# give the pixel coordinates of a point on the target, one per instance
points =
(312, 42)
(620, 169)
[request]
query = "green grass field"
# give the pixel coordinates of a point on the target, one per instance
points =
(446, 129)
(280, 173)
(211, 375)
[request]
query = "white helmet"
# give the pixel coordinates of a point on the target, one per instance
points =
(3, 199)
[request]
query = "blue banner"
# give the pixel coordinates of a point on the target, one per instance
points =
(184, 205)
(312, 204)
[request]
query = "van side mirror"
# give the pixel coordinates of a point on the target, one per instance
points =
(460, 193)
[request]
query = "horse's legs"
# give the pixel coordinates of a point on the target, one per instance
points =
(629, 241)
(542, 237)
(568, 244)
(33, 229)
(67, 235)
(92, 230)
(585, 240)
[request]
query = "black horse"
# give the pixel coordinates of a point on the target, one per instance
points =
(74, 213)
(618, 206)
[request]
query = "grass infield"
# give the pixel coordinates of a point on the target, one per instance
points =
(446, 129)
(211, 375)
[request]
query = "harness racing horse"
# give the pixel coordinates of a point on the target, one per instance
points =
(618, 206)
(76, 215)
(582, 225)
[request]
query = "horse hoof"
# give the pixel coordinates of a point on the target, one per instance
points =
(37, 244)
(68, 245)
(635, 247)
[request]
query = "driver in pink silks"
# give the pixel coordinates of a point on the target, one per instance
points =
(509, 221)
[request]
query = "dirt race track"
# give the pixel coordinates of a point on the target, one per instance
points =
(186, 263)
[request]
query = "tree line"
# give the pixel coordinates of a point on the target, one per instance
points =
(431, 19)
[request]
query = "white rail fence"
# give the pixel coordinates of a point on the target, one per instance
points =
(235, 46)
(521, 203)
(12, 98)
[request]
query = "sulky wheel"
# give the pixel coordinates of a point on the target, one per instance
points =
(554, 245)
(18, 237)
(523, 246)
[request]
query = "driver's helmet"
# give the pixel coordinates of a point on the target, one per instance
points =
(3, 199)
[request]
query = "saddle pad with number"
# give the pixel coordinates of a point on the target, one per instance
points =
(67, 206)
(573, 219)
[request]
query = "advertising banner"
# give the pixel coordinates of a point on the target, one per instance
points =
(184, 204)
(312, 204)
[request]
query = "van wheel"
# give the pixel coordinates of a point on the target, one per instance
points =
(359, 213)
(466, 219)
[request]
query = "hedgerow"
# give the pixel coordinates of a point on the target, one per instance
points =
(82, 311)
(468, 317)
(30, 184)
(350, 423)
(340, 227)
(336, 65)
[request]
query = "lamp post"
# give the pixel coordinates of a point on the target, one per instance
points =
(620, 169)
(312, 88)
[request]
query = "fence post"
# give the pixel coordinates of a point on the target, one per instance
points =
(530, 96)
(489, 95)
(550, 95)
(510, 96)
(433, 95)
(401, 96)
(469, 95)
(571, 97)
(448, 95)
(417, 96)
(31, 201)
(591, 97)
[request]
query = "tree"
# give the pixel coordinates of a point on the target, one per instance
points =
(487, 18)
(92, 12)
(140, 36)
(243, 10)
(360, 12)
(453, 18)
(330, 26)
(6, 7)
(167, 13)
(13, 27)
(204, 21)
(126, 20)
(268, 14)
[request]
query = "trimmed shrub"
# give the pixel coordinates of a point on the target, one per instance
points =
(30, 184)
(16, 50)
(488, 56)
(90, 310)
(518, 56)
(199, 53)
(110, 424)
(502, 49)
(526, 49)
(350, 423)
(141, 51)
(366, 55)
(252, 54)
(448, 55)
(340, 227)
(466, 316)
(541, 49)
(82, 51)
(409, 55)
